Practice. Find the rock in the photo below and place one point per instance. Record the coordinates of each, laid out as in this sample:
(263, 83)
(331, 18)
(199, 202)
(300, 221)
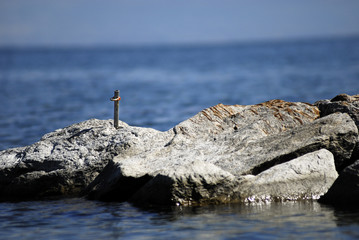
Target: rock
(210, 133)
(345, 104)
(341, 103)
(336, 133)
(345, 190)
(306, 177)
(230, 152)
(64, 162)
(195, 182)
(198, 182)
(204, 157)
(253, 121)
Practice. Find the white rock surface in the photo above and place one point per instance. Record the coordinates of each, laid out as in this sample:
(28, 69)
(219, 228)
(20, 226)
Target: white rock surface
(306, 177)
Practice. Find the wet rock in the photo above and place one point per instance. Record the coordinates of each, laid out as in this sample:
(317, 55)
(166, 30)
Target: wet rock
(306, 177)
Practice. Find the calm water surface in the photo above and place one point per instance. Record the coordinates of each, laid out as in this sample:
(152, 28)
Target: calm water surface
(45, 89)
(82, 219)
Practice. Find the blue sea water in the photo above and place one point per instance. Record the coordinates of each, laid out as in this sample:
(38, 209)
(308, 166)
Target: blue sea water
(43, 89)
(81, 219)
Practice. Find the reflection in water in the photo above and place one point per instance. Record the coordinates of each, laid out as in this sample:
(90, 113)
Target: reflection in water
(347, 220)
(83, 219)
(290, 219)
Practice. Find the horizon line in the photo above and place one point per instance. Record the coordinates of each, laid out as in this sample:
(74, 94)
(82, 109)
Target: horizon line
(182, 44)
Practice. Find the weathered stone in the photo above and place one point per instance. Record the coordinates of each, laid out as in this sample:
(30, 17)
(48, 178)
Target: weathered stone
(345, 104)
(195, 182)
(340, 103)
(65, 161)
(345, 190)
(336, 132)
(235, 154)
(205, 155)
(198, 182)
(253, 121)
(306, 177)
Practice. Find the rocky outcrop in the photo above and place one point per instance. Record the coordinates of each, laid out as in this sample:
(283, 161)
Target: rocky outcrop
(222, 154)
(229, 157)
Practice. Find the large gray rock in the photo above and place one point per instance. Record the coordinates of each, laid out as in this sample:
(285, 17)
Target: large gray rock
(195, 182)
(208, 153)
(306, 177)
(198, 182)
(64, 162)
(227, 154)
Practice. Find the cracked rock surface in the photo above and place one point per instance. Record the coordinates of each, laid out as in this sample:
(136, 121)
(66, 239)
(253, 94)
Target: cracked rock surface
(212, 157)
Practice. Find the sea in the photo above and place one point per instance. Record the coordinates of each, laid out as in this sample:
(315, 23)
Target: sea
(46, 88)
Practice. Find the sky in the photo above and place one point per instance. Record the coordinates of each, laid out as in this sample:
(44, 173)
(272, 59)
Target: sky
(146, 22)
